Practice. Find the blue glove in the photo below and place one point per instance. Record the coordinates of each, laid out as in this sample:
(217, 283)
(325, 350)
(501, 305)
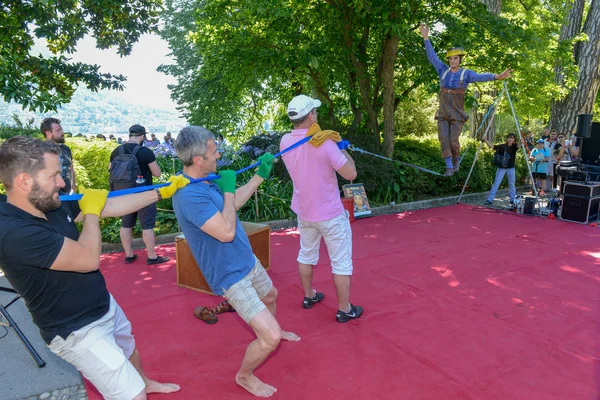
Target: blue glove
(343, 145)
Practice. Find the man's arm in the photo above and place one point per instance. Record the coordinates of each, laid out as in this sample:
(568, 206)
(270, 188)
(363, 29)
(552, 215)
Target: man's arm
(154, 169)
(348, 170)
(130, 203)
(73, 178)
(243, 193)
(222, 225)
(82, 255)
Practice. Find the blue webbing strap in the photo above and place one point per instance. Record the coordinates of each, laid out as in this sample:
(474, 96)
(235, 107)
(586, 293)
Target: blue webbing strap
(122, 192)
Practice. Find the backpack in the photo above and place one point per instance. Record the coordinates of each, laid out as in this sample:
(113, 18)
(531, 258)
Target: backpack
(124, 169)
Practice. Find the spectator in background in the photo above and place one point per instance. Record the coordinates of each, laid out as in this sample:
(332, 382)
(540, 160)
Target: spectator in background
(112, 138)
(570, 150)
(545, 134)
(154, 139)
(170, 139)
(53, 131)
(553, 146)
(539, 159)
(148, 168)
(528, 141)
(508, 149)
(119, 140)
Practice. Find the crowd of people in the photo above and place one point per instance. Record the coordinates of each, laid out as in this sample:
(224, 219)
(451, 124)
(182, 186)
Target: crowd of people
(544, 155)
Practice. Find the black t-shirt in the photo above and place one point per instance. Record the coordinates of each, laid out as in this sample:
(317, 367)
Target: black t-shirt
(511, 150)
(145, 157)
(66, 160)
(60, 302)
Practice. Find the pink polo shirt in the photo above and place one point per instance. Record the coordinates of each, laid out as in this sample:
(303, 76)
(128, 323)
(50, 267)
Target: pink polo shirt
(316, 195)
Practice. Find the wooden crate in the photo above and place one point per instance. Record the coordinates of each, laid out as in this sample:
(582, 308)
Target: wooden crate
(189, 274)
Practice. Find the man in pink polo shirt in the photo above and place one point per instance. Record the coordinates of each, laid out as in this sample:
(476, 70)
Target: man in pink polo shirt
(316, 201)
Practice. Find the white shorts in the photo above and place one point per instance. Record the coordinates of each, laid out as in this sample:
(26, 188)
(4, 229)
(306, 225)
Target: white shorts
(338, 238)
(101, 351)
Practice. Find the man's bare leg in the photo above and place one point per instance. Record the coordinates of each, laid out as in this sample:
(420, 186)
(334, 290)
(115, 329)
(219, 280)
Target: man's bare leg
(268, 335)
(126, 235)
(270, 301)
(151, 386)
(342, 287)
(306, 275)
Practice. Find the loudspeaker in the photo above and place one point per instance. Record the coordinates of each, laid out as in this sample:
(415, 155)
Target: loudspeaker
(584, 125)
(580, 202)
(590, 150)
(528, 205)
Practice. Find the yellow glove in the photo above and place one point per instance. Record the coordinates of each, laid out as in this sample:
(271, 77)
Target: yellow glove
(93, 200)
(319, 137)
(177, 182)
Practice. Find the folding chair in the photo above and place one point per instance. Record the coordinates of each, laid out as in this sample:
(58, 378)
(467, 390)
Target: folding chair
(12, 324)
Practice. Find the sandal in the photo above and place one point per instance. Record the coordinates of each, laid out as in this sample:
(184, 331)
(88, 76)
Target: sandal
(223, 307)
(205, 314)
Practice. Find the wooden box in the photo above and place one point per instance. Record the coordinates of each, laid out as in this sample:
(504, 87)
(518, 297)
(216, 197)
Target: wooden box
(189, 274)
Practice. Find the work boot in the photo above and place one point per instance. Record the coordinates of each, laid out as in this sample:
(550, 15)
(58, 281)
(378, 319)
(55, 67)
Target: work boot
(455, 164)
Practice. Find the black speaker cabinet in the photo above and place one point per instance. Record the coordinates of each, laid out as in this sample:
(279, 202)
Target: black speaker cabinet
(590, 148)
(580, 202)
(584, 125)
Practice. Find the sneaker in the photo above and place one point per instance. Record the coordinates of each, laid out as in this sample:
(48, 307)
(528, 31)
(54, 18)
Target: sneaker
(129, 260)
(157, 260)
(354, 313)
(308, 301)
(449, 172)
(487, 203)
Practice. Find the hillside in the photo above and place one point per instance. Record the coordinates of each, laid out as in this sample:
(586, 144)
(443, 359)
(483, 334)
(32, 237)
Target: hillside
(93, 113)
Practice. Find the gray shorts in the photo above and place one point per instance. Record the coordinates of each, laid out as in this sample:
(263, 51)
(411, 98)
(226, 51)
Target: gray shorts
(247, 294)
(147, 218)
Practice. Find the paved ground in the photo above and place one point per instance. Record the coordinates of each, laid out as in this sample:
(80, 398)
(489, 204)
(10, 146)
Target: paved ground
(20, 378)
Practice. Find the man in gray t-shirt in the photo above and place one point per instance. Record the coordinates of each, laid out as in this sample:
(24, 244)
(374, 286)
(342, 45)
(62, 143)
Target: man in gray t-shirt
(53, 131)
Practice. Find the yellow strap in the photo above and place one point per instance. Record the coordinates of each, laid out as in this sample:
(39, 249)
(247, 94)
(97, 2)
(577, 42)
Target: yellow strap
(319, 137)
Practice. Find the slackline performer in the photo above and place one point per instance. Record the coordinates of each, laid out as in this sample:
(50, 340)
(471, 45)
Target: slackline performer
(451, 115)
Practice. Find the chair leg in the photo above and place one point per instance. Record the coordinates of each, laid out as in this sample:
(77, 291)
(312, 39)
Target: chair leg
(12, 324)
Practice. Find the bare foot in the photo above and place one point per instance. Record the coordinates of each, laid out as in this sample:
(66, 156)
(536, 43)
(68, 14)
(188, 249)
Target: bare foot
(157, 387)
(290, 336)
(255, 386)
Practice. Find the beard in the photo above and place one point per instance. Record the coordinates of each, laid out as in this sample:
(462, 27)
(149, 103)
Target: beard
(60, 140)
(42, 201)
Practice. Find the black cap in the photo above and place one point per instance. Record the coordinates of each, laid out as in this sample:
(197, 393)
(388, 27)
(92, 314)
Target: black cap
(137, 130)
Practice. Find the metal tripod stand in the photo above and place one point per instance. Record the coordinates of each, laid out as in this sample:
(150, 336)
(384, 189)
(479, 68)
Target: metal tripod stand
(518, 126)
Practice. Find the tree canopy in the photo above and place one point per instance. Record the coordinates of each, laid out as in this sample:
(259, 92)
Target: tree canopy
(362, 58)
(39, 82)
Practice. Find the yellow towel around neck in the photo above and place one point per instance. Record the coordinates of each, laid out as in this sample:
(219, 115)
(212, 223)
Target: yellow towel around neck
(319, 137)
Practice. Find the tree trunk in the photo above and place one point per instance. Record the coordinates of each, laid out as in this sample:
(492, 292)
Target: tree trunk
(570, 28)
(390, 51)
(477, 113)
(581, 99)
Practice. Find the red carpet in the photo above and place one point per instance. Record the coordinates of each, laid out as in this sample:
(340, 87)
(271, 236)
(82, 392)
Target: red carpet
(460, 303)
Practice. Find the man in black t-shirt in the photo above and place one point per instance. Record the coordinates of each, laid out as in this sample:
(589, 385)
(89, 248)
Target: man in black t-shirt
(53, 131)
(509, 151)
(54, 268)
(147, 215)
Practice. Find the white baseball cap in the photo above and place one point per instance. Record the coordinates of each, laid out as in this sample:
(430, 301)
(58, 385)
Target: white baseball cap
(300, 106)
